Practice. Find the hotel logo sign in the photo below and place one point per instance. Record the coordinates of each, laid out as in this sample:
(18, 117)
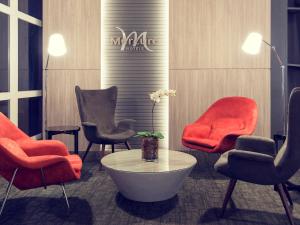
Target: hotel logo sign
(133, 41)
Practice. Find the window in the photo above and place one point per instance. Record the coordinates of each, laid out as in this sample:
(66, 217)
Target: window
(5, 2)
(4, 107)
(30, 57)
(4, 24)
(31, 7)
(21, 72)
(30, 115)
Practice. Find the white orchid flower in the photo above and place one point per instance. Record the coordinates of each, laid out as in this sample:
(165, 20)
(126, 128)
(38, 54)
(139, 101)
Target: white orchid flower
(157, 95)
(160, 93)
(172, 92)
(151, 96)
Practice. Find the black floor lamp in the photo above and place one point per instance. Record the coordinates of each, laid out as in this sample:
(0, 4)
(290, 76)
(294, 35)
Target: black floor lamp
(56, 48)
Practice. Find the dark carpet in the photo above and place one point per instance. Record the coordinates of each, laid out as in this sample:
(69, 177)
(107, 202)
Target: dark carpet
(95, 200)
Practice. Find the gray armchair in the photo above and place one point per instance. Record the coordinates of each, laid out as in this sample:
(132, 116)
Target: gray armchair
(97, 114)
(254, 159)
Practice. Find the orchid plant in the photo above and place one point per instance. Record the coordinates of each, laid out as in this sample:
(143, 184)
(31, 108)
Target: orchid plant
(155, 97)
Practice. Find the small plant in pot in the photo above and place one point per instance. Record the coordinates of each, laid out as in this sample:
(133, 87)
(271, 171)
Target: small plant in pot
(150, 139)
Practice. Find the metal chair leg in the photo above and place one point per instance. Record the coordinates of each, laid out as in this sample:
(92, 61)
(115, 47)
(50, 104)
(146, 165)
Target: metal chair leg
(43, 178)
(285, 204)
(8, 190)
(87, 151)
(230, 189)
(65, 195)
(127, 145)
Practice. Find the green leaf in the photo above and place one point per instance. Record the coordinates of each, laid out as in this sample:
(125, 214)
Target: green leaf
(143, 134)
(158, 134)
(155, 134)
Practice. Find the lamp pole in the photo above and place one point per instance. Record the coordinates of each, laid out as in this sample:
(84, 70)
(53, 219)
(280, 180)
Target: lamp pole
(45, 98)
(283, 86)
(56, 48)
(290, 185)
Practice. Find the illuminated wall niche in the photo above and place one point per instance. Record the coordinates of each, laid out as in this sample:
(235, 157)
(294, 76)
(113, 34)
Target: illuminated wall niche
(138, 65)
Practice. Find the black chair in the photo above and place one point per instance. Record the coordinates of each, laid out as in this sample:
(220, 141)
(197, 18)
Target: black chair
(97, 114)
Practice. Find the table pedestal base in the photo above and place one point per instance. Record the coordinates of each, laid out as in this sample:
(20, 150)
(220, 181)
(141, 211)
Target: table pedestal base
(149, 187)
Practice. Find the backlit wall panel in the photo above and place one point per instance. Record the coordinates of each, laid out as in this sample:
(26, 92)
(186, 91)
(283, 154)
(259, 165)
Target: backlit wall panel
(136, 68)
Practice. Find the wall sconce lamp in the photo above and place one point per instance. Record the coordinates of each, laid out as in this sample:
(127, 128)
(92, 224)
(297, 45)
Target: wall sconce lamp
(252, 46)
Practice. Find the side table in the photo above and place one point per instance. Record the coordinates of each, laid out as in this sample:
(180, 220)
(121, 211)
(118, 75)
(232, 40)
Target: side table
(72, 130)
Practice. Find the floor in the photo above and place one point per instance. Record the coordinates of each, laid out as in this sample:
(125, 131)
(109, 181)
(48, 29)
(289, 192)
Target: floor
(95, 200)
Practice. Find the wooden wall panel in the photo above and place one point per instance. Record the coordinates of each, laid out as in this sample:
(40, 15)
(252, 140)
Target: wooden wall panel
(205, 54)
(61, 105)
(207, 63)
(210, 33)
(80, 24)
(206, 86)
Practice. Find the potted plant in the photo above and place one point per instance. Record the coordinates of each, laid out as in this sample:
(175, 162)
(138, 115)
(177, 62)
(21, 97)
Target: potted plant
(150, 139)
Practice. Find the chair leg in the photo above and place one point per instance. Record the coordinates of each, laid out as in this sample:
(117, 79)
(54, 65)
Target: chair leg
(8, 190)
(65, 195)
(286, 191)
(87, 151)
(103, 149)
(230, 189)
(285, 204)
(127, 145)
(112, 148)
(43, 178)
(102, 155)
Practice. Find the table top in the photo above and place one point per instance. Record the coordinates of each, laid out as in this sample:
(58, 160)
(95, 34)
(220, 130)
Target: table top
(131, 161)
(63, 128)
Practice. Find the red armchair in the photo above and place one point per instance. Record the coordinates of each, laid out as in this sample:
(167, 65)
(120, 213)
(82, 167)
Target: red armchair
(27, 163)
(218, 128)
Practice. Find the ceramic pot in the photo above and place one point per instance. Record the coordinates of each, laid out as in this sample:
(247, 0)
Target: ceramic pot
(149, 149)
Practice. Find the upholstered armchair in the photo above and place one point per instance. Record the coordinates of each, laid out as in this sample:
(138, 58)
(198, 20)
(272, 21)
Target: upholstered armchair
(254, 160)
(28, 164)
(218, 128)
(97, 114)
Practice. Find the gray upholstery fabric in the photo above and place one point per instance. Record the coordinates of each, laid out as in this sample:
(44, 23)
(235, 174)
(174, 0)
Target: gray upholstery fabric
(97, 113)
(248, 166)
(250, 143)
(287, 161)
(253, 161)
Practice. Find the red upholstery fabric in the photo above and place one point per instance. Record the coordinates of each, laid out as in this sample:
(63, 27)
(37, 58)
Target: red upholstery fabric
(43, 147)
(9, 130)
(17, 150)
(218, 128)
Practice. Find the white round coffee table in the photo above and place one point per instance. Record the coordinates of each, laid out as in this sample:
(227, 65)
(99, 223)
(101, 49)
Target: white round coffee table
(148, 181)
